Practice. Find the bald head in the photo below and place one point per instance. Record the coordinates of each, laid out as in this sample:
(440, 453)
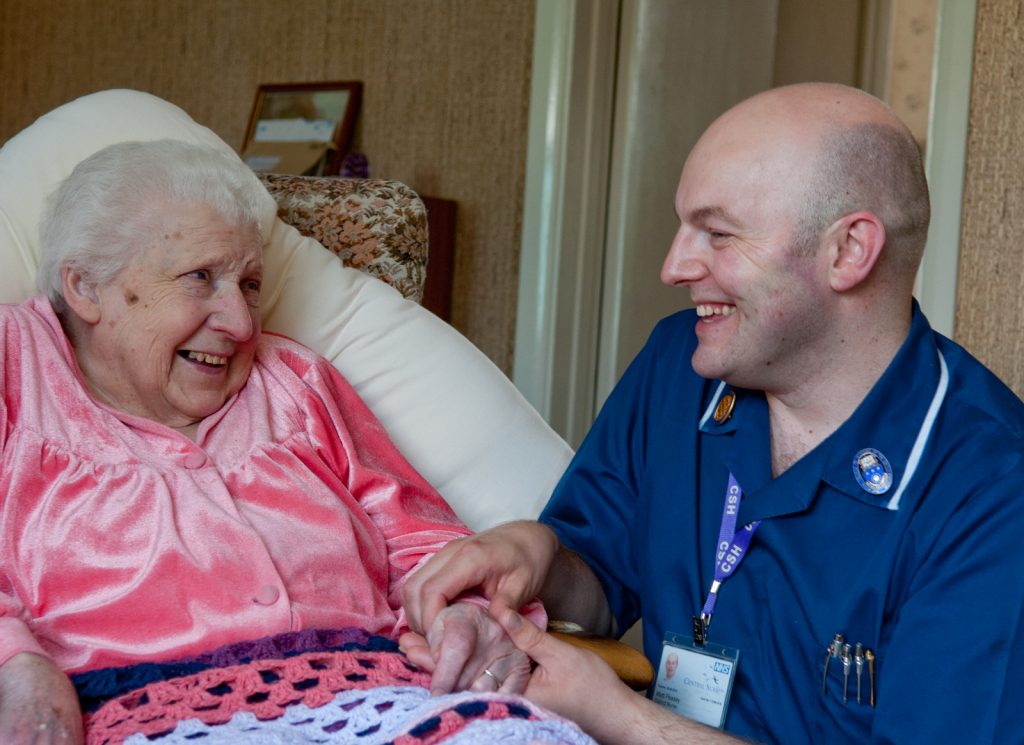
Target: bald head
(849, 153)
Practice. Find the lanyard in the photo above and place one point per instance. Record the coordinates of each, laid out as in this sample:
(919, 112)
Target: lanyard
(732, 547)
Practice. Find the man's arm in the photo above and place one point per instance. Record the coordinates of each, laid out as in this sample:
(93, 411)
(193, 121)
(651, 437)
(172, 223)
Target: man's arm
(572, 592)
(509, 565)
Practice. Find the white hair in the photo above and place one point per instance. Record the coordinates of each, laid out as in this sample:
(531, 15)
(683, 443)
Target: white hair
(108, 208)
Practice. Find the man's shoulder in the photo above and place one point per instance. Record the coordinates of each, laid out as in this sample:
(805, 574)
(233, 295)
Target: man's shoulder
(673, 337)
(678, 326)
(976, 394)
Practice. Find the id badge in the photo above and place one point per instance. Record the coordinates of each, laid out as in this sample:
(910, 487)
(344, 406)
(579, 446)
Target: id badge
(696, 681)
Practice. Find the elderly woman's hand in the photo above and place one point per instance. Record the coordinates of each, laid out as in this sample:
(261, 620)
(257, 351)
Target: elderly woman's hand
(38, 704)
(467, 649)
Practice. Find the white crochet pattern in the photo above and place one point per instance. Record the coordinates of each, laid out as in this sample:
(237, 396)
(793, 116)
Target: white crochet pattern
(374, 717)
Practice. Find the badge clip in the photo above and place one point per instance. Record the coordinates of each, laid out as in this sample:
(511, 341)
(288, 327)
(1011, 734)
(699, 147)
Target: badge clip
(700, 631)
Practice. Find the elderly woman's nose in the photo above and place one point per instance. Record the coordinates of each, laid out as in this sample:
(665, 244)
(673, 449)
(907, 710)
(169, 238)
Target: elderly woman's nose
(232, 313)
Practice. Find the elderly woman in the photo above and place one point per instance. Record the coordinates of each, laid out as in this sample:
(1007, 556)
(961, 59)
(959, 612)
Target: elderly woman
(174, 480)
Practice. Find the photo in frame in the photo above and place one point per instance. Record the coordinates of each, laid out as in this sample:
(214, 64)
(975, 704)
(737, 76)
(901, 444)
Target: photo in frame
(302, 128)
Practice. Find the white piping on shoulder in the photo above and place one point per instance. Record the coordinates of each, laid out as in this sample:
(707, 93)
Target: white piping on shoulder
(714, 403)
(922, 436)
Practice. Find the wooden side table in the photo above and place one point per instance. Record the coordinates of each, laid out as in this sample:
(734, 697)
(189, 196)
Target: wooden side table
(437, 290)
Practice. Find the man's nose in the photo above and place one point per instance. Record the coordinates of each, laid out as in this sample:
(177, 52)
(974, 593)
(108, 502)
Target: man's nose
(684, 263)
(233, 315)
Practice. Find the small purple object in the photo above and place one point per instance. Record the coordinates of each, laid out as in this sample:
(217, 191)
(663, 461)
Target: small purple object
(355, 165)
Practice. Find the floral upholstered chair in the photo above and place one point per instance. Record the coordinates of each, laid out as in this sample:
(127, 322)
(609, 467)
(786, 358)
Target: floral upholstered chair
(376, 226)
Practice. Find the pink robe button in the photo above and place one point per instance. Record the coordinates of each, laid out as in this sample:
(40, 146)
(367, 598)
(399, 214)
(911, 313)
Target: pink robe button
(267, 595)
(195, 459)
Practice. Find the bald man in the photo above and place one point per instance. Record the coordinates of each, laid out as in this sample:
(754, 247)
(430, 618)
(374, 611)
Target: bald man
(811, 498)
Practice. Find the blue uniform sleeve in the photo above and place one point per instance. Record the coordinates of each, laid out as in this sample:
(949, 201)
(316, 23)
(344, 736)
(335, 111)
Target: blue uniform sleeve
(596, 505)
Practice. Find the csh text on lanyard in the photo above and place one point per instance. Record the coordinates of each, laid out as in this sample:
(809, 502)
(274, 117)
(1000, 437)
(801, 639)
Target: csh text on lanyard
(695, 677)
(732, 547)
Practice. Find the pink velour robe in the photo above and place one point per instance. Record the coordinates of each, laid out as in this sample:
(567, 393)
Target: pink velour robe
(121, 540)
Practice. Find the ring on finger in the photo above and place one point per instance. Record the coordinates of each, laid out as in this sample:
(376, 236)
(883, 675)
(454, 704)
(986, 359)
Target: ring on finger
(497, 681)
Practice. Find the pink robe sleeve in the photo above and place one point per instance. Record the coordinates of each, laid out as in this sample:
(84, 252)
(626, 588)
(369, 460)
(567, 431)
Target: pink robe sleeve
(413, 519)
(15, 635)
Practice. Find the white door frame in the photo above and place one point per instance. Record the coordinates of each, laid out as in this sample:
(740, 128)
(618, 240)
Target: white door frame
(570, 131)
(946, 159)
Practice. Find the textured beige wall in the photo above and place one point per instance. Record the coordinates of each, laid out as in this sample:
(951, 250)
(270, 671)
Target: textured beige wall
(817, 41)
(444, 105)
(990, 303)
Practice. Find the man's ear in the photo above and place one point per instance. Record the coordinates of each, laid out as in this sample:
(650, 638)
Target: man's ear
(80, 295)
(858, 239)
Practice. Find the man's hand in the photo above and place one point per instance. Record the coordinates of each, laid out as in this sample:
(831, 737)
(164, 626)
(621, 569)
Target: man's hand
(38, 704)
(569, 680)
(581, 686)
(507, 564)
(463, 642)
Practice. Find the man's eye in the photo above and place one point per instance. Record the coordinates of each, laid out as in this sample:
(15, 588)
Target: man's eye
(201, 274)
(251, 285)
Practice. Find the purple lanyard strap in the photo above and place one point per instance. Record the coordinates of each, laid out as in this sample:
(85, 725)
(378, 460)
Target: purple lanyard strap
(732, 546)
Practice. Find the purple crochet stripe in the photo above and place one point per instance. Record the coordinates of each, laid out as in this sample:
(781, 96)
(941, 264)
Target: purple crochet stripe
(292, 643)
(96, 687)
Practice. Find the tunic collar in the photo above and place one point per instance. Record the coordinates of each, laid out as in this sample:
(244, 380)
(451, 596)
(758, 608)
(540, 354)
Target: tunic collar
(895, 419)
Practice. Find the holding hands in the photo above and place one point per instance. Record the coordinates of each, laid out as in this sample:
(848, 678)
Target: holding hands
(460, 642)
(507, 565)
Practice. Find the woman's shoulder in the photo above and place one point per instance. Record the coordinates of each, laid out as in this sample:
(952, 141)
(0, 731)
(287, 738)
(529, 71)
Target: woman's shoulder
(276, 350)
(293, 364)
(36, 311)
(31, 331)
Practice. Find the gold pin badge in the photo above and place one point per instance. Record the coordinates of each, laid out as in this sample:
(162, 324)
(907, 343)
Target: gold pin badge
(724, 409)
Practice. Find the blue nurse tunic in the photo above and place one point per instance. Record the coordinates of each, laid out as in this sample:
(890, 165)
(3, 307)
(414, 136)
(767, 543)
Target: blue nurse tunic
(928, 574)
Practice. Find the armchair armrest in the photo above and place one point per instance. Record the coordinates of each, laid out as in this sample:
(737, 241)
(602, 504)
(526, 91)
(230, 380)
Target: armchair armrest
(630, 665)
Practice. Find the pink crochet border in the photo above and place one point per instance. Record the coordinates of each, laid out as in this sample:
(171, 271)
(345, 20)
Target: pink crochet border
(214, 695)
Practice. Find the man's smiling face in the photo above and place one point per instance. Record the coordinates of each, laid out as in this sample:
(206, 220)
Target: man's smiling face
(760, 296)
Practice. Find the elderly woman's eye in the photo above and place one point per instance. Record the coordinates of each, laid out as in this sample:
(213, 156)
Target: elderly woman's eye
(200, 274)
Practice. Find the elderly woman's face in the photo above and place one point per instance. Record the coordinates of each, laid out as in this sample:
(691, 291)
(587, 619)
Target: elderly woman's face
(178, 327)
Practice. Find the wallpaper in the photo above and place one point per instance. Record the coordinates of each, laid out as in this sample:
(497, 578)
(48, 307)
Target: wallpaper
(445, 98)
(990, 302)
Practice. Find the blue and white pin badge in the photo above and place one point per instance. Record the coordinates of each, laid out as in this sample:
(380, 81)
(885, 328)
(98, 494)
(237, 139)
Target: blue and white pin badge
(872, 471)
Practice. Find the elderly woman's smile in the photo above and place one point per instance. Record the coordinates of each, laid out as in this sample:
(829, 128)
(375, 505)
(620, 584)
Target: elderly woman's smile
(173, 335)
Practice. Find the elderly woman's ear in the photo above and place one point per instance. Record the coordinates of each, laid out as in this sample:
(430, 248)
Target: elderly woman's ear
(80, 296)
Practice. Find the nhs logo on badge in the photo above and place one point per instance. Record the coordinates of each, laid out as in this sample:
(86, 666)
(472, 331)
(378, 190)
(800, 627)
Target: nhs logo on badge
(721, 667)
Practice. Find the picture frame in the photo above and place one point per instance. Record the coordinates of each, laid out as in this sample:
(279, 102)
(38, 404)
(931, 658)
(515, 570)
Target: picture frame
(302, 128)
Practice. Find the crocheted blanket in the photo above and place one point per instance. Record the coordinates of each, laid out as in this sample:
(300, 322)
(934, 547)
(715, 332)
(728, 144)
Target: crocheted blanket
(313, 686)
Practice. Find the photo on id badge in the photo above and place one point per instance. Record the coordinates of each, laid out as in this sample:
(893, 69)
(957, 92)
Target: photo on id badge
(695, 682)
